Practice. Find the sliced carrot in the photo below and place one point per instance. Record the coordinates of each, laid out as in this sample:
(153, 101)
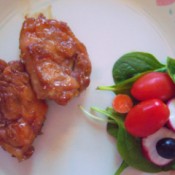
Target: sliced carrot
(122, 103)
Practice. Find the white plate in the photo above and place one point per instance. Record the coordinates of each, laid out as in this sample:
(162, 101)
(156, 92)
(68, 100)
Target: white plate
(71, 144)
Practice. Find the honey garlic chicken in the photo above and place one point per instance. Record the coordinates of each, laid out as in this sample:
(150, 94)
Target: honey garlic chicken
(21, 113)
(55, 59)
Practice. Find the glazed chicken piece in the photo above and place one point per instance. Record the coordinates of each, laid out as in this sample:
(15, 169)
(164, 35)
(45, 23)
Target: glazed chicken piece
(21, 113)
(55, 59)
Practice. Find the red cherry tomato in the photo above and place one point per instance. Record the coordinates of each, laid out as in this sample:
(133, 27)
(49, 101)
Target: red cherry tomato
(146, 117)
(153, 85)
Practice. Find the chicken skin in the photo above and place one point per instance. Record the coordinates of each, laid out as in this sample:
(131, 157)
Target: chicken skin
(21, 113)
(55, 59)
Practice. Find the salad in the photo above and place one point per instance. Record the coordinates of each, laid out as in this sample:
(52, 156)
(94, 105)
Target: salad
(142, 115)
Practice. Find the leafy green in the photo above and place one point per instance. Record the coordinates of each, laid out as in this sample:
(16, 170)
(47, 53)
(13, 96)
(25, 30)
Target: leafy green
(92, 116)
(128, 68)
(122, 87)
(134, 63)
(113, 117)
(171, 68)
(112, 129)
(130, 150)
(121, 168)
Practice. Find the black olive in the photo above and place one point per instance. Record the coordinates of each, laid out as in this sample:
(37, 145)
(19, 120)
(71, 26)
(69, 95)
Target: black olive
(166, 148)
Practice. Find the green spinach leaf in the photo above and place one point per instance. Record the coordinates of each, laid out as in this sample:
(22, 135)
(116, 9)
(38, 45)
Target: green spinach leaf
(112, 129)
(121, 168)
(124, 86)
(134, 63)
(171, 68)
(130, 150)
